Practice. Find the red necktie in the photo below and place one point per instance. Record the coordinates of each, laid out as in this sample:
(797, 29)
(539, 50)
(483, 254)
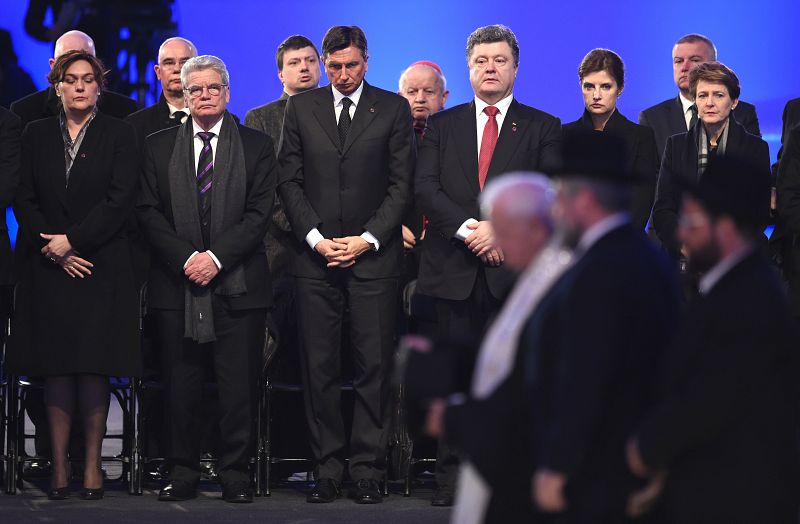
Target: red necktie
(487, 144)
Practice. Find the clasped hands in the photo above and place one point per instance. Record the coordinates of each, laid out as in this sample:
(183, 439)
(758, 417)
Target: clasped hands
(201, 269)
(342, 252)
(482, 244)
(60, 251)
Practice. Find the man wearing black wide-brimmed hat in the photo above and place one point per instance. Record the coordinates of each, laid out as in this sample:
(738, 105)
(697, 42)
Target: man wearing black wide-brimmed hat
(725, 427)
(592, 357)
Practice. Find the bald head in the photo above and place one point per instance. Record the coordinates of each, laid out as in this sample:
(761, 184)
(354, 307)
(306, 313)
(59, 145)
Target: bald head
(72, 41)
(425, 88)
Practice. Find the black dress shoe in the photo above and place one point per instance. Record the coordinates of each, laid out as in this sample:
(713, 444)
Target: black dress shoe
(177, 490)
(324, 490)
(442, 497)
(92, 494)
(237, 492)
(58, 493)
(367, 491)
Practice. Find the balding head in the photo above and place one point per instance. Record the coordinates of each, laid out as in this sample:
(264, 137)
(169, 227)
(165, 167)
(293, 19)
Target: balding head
(425, 88)
(519, 207)
(72, 41)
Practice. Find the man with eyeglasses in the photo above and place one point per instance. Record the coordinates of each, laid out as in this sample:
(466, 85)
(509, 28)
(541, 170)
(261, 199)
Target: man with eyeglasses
(464, 147)
(206, 197)
(171, 108)
(346, 161)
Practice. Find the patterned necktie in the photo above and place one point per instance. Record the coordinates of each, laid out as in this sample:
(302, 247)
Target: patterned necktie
(693, 121)
(344, 120)
(488, 142)
(205, 173)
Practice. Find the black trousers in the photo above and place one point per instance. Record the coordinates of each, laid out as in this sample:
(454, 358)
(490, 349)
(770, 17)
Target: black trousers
(462, 323)
(321, 306)
(236, 356)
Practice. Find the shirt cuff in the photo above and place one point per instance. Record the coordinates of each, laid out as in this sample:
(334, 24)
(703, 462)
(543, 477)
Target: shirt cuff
(215, 259)
(463, 232)
(370, 238)
(189, 259)
(313, 238)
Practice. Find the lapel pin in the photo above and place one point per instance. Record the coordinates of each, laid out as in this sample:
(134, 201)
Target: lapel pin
(371, 109)
(83, 155)
(514, 129)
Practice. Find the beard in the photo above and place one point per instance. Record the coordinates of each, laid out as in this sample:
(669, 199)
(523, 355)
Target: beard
(703, 258)
(569, 234)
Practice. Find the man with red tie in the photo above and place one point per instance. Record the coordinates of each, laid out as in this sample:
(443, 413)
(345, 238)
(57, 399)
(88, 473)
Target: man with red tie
(463, 148)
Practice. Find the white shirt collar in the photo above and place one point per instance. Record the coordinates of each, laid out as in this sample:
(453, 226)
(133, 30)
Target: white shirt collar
(502, 105)
(172, 109)
(355, 96)
(215, 129)
(715, 274)
(685, 103)
(601, 229)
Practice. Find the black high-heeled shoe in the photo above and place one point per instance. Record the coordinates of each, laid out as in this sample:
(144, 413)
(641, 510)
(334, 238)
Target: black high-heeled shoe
(58, 493)
(92, 493)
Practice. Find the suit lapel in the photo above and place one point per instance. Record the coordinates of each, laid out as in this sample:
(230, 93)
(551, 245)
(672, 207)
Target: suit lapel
(507, 142)
(677, 120)
(365, 114)
(466, 138)
(60, 171)
(85, 156)
(326, 116)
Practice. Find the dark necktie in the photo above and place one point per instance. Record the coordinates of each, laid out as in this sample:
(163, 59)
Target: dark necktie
(179, 116)
(488, 142)
(693, 121)
(344, 120)
(205, 175)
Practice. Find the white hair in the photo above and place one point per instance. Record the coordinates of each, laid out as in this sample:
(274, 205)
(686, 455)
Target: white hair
(524, 195)
(440, 77)
(202, 62)
(189, 44)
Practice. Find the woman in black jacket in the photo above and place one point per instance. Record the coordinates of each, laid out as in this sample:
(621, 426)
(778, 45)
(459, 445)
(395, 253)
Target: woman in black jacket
(602, 78)
(715, 88)
(76, 320)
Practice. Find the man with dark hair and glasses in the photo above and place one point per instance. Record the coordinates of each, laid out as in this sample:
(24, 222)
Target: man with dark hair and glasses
(346, 160)
(205, 201)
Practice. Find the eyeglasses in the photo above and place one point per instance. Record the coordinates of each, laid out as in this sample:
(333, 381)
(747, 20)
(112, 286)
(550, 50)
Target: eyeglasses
(213, 90)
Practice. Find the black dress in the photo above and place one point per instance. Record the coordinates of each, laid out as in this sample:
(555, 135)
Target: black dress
(642, 159)
(64, 325)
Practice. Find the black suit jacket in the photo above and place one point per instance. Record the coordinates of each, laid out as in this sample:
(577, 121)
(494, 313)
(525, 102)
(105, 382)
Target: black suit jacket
(791, 117)
(446, 189)
(10, 131)
(44, 103)
(269, 119)
(788, 229)
(642, 160)
(147, 121)
(680, 162)
(241, 244)
(590, 363)
(666, 119)
(725, 428)
(344, 191)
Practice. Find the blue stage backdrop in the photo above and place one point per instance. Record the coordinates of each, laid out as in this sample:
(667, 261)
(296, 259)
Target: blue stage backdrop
(756, 39)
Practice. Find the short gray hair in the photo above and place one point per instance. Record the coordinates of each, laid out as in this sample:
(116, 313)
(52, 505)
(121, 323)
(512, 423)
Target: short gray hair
(525, 195)
(439, 76)
(494, 33)
(202, 62)
(189, 44)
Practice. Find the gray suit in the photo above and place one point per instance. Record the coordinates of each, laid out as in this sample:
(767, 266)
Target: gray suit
(269, 119)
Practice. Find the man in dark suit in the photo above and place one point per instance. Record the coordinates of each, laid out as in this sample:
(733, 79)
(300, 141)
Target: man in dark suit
(44, 103)
(788, 197)
(677, 115)
(591, 361)
(171, 109)
(464, 147)
(298, 70)
(724, 431)
(206, 197)
(10, 131)
(346, 159)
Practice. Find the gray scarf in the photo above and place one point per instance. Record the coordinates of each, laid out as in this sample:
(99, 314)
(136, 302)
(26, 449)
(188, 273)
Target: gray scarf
(702, 146)
(227, 206)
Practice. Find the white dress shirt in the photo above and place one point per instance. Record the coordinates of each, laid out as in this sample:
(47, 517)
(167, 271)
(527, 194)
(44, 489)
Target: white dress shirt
(173, 109)
(198, 147)
(715, 274)
(482, 118)
(599, 230)
(314, 236)
(687, 109)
